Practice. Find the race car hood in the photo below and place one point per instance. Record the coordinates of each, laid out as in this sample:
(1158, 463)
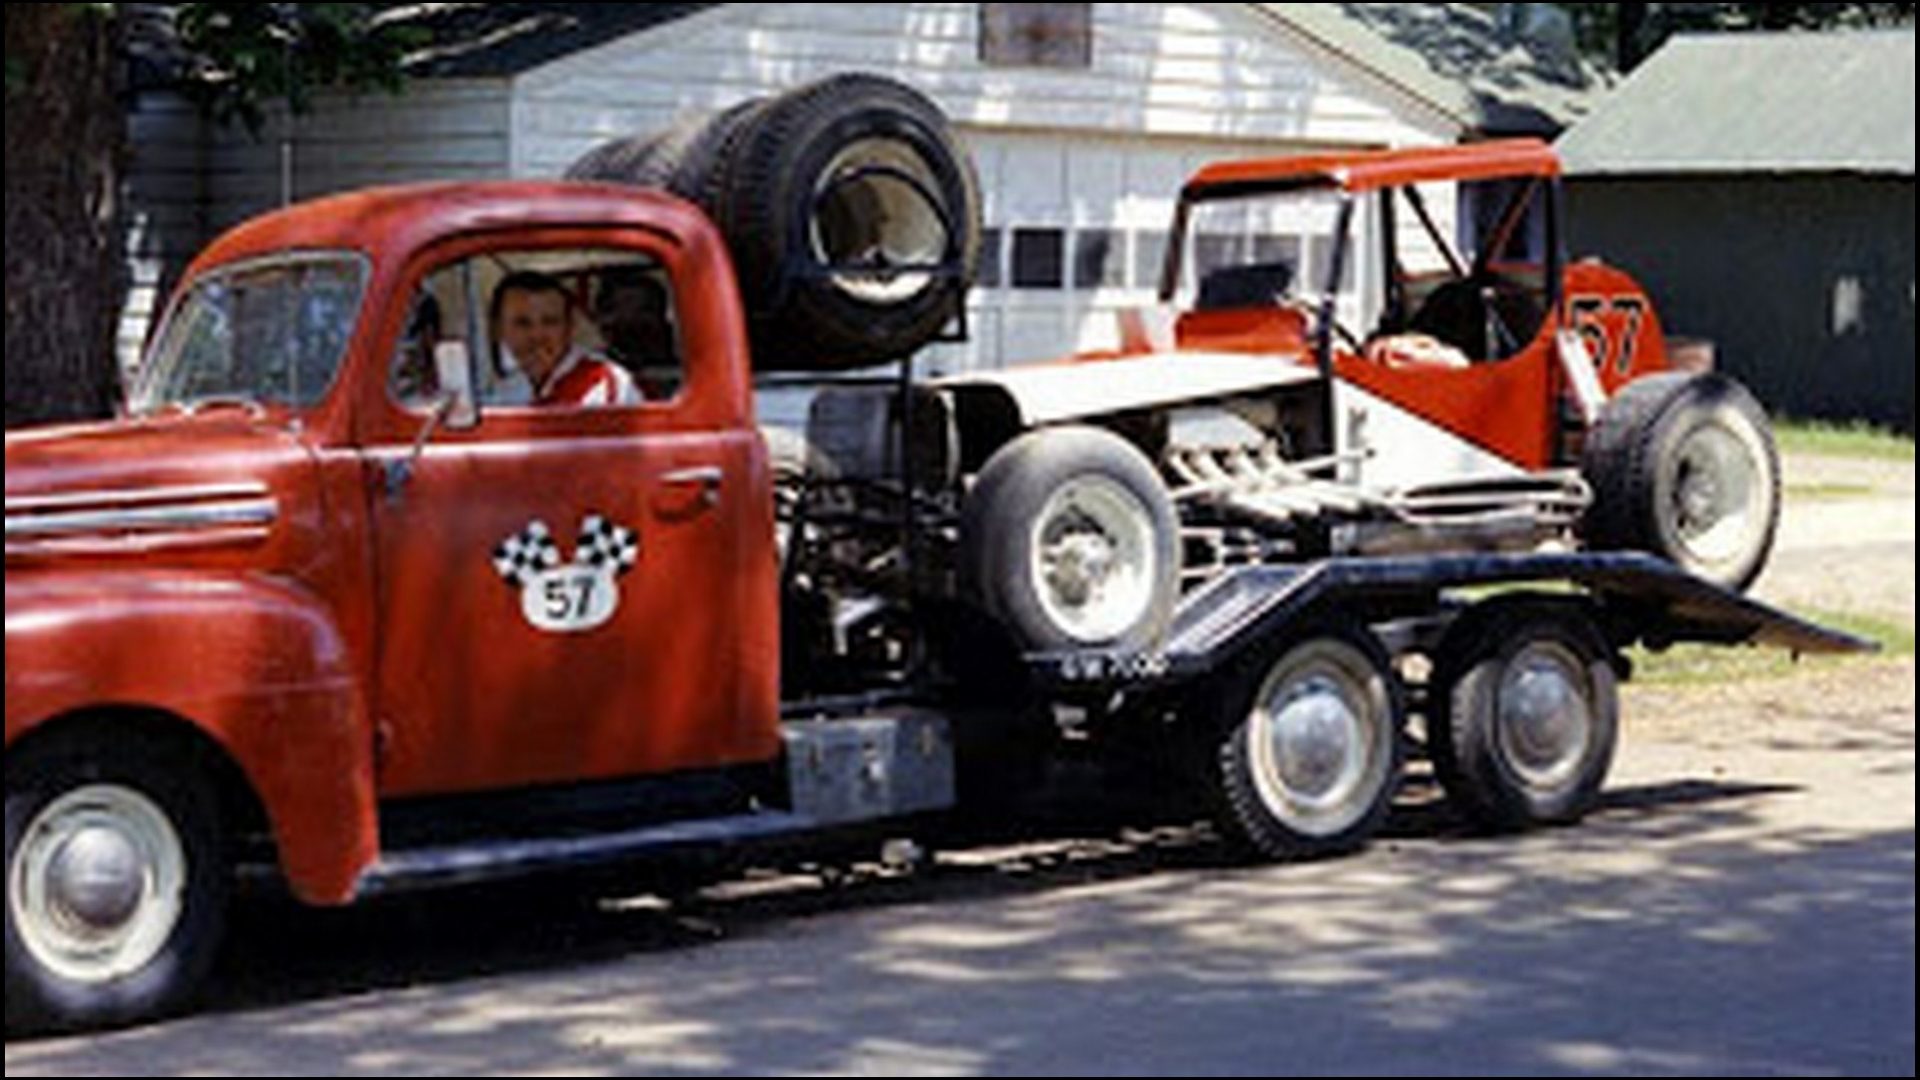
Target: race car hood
(1058, 393)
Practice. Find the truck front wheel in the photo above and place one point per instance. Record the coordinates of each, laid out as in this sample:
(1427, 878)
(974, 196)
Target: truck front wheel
(1310, 752)
(117, 884)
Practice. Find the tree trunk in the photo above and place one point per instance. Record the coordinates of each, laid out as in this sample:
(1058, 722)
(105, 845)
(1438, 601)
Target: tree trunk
(66, 265)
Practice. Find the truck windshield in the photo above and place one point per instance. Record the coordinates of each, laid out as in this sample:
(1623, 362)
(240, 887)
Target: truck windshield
(261, 333)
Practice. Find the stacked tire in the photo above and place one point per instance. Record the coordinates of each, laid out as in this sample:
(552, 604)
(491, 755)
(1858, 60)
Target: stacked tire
(850, 208)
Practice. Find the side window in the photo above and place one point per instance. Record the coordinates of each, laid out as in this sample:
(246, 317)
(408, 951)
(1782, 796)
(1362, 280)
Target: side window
(549, 329)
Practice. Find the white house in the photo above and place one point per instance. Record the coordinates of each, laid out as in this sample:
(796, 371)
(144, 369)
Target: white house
(1084, 119)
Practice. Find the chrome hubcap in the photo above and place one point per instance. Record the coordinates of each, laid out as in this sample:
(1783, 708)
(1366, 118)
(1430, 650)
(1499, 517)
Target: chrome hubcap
(1318, 739)
(97, 885)
(1316, 742)
(1546, 719)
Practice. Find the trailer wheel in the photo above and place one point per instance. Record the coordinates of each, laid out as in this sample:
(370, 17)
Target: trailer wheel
(1309, 758)
(117, 884)
(1684, 466)
(1070, 539)
(1526, 715)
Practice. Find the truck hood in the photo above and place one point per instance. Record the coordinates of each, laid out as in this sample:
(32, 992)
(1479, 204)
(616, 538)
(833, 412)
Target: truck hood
(138, 487)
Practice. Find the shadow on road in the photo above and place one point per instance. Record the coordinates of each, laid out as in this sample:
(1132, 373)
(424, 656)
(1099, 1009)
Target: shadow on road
(1668, 936)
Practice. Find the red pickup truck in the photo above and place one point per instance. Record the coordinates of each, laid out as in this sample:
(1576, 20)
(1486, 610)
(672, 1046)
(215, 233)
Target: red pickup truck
(338, 601)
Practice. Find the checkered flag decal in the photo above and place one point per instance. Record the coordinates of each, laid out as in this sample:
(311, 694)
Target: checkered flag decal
(527, 553)
(606, 546)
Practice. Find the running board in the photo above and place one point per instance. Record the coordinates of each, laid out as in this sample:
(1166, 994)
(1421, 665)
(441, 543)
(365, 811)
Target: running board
(842, 773)
(469, 864)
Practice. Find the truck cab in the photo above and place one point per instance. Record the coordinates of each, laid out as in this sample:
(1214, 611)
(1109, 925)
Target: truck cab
(303, 566)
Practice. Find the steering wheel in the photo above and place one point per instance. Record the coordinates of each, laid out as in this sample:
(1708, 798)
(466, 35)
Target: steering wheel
(1312, 312)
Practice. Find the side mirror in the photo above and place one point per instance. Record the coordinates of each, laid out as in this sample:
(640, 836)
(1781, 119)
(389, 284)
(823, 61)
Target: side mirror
(453, 365)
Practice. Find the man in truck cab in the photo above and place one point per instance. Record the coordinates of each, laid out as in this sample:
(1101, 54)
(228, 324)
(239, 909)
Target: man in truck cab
(533, 320)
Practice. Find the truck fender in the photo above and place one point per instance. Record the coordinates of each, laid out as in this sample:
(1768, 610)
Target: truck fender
(255, 664)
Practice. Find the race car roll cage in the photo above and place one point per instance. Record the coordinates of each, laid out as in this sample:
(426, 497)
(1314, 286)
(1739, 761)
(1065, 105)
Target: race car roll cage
(1356, 175)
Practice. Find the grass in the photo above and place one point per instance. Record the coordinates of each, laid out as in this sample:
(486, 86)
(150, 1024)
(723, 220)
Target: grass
(1699, 665)
(1855, 440)
(1828, 492)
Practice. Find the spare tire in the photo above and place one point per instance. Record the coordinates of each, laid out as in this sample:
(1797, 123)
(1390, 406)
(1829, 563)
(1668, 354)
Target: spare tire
(1684, 466)
(687, 159)
(852, 212)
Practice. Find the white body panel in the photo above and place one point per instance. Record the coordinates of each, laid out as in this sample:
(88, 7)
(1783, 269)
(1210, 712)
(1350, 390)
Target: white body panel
(1398, 449)
(1055, 393)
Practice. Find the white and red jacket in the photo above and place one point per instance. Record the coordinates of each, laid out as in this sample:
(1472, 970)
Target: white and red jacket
(583, 380)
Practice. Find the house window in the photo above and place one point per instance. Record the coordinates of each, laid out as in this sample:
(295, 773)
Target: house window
(1036, 35)
(1039, 258)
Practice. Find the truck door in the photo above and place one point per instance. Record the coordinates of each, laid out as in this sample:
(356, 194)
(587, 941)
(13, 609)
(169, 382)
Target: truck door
(571, 589)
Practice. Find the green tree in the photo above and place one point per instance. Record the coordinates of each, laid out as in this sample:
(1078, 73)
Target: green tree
(66, 135)
(1626, 34)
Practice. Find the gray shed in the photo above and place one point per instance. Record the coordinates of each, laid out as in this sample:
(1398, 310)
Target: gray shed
(1761, 186)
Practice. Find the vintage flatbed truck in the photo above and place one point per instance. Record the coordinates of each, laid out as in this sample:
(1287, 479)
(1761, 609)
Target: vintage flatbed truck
(336, 603)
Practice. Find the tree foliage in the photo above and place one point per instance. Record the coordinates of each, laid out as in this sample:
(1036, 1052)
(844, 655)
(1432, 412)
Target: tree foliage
(1628, 33)
(243, 55)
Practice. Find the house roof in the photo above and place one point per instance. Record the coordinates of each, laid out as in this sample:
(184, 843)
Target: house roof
(1758, 103)
(1463, 60)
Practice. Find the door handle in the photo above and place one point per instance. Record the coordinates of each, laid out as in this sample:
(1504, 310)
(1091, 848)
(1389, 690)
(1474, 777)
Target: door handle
(709, 479)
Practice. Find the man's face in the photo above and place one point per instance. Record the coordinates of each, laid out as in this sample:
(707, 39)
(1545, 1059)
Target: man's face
(537, 328)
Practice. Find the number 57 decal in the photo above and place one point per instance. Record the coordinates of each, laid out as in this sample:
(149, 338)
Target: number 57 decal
(568, 597)
(1610, 329)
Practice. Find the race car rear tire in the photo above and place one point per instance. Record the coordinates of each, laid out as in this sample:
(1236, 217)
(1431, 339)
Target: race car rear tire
(1684, 466)
(688, 159)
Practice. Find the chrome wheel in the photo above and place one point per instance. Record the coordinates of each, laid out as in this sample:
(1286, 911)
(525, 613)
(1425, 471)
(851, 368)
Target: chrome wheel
(1545, 717)
(872, 214)
(1320, 739)
(98, 884)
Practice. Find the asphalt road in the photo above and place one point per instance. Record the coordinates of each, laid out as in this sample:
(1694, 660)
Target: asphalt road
(1742, 905)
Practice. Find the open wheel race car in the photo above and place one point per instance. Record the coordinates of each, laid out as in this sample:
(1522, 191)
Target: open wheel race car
(1498, 396)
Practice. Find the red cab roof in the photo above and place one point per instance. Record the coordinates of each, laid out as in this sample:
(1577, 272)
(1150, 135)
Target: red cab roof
(377, 221)
(1372, 170)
